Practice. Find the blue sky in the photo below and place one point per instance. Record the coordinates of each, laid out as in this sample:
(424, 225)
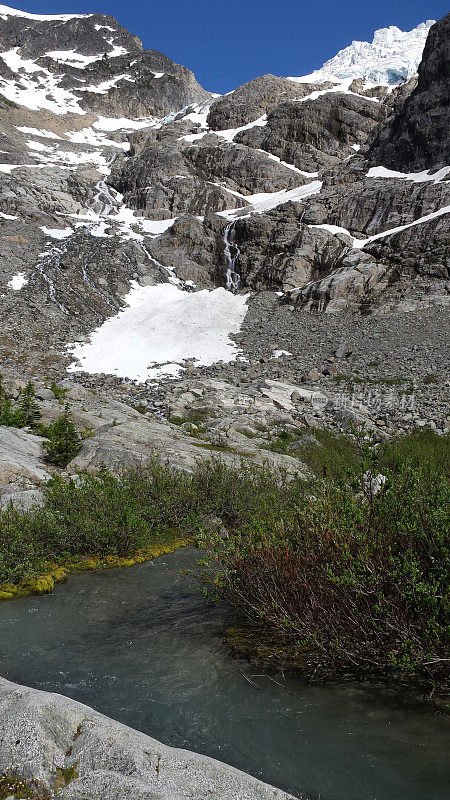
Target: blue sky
(229, 42)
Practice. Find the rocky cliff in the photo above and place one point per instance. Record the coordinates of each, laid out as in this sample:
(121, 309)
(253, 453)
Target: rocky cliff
(122, 180)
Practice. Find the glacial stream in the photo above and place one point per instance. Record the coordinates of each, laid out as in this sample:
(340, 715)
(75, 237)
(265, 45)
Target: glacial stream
(141, 646)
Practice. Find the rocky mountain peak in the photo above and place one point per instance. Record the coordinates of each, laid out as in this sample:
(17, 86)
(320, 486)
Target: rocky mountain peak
(132, 197)
(78, 63)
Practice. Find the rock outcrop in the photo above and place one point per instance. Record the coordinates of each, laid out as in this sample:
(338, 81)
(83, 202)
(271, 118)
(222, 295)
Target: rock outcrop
(317, 133)
(417, 136)
(59, 747)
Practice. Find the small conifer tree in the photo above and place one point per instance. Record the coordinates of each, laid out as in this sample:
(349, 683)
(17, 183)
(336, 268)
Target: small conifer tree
(28, 412)
(64, 441)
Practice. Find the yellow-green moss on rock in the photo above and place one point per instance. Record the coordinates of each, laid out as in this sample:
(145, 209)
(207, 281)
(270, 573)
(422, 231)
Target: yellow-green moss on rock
(45, 583)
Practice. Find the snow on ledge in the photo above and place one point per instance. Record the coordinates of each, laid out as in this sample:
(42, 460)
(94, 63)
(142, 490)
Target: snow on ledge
(416, 177)
(6, 11)
(159, 329)
(359, 244)
(266, 201)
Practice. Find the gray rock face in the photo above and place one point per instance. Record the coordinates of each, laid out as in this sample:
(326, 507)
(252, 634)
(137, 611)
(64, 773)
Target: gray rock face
(316, 133)
(253, 99)
(244, 169)
(194, 248)
(150, 83)
(22, 468)
(43, 734)
(165, 177)
(278, 251)
(417, 136)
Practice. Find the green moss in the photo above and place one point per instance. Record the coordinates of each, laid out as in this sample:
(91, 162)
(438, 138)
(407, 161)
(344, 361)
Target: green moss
(64, 776)
(45, 583)
(12, 785)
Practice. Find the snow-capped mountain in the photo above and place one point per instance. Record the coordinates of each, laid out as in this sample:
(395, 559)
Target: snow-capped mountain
(120, 173)
(390, 59)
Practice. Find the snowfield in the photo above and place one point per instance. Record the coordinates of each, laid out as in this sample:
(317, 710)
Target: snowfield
(159, 329)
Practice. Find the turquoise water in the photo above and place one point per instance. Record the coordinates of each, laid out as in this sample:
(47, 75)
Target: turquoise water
(141, 645)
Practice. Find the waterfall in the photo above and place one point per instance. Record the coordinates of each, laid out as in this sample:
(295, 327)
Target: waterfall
(48, 261)
(232, 254)
(103, 201)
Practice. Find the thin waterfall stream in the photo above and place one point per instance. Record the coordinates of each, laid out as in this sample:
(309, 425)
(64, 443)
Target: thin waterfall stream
(232, 254)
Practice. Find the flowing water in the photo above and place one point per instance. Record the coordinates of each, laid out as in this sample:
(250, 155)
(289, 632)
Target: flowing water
(232, 254)
(141, 645)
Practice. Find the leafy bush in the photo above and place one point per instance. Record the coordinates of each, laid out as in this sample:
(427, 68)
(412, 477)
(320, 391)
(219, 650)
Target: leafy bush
(362, 582)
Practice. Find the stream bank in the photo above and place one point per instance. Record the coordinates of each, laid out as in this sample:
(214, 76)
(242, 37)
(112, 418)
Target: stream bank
(141, 646)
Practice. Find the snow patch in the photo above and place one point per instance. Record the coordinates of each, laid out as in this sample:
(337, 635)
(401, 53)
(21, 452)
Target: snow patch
(266, 201)
(95, 139)
(160, 328)
(6, 11)
(72, 58)
(57, 233)
(228, 134)
(123, 124)
(44, 134)
(35, 87)
(416, 177)
(17, 282)
(105, 86)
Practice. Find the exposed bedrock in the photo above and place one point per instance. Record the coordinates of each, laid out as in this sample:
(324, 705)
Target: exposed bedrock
(54, 744)
(372, 205)
(316, 134)
(417, 135)
(164, 178)
(255, 98)
(277, 251)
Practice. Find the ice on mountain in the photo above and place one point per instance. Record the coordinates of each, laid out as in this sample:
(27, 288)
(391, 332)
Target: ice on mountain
(391, 58)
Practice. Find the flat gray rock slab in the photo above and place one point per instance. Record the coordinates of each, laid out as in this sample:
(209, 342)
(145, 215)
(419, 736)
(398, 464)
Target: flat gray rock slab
(42, 732)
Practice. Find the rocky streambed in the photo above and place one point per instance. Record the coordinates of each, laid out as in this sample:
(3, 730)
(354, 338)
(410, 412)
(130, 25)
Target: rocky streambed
(141, 646)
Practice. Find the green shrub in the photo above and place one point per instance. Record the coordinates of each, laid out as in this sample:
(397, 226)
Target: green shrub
(362, 583)
(63, 441)
(28, 411)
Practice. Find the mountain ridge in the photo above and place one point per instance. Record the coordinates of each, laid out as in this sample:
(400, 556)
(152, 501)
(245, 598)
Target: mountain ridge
(151, 183)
